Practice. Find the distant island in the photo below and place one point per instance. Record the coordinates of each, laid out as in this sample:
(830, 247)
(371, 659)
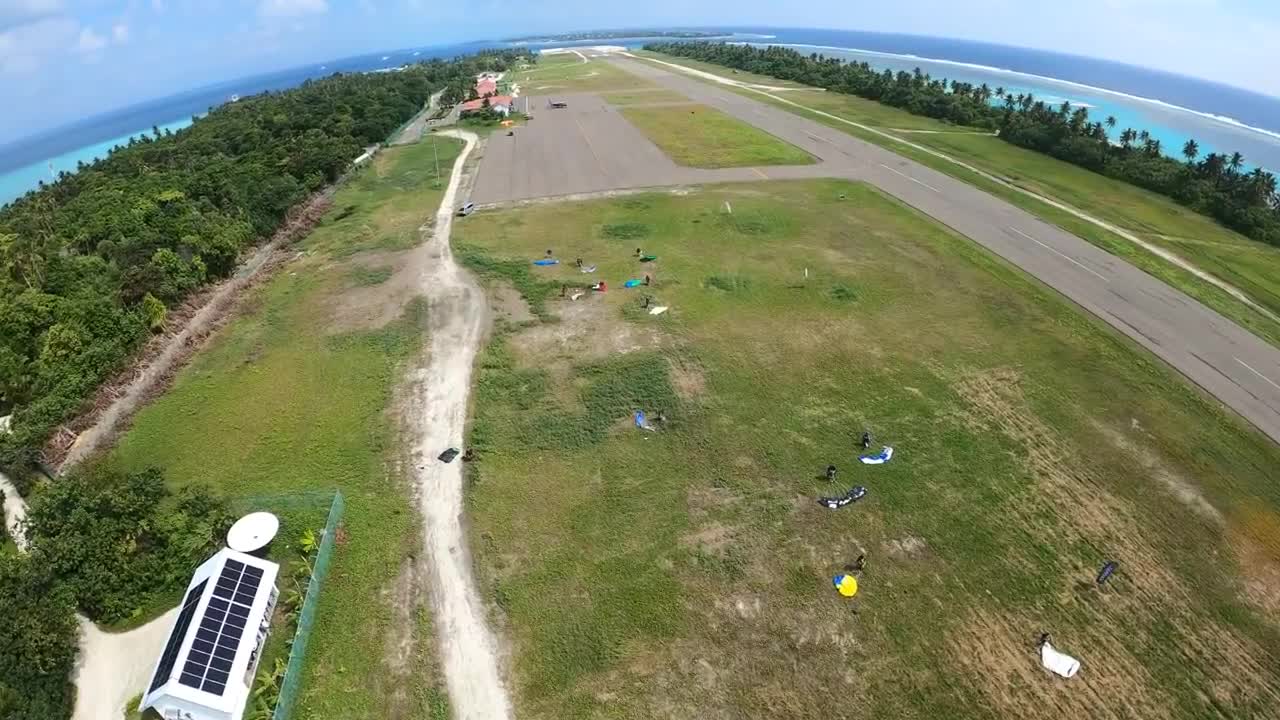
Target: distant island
(615, 34)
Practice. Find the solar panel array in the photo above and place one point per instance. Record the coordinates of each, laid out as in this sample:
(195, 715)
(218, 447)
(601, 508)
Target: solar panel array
(170, 654)
(208, 665)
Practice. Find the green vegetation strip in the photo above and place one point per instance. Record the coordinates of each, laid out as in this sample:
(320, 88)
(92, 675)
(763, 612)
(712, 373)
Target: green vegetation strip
(699, 136)
(690, 568)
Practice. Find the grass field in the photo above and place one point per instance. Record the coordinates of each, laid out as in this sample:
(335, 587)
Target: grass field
(567, 73)
(700, 136)
(687, 572)
(293, 397)
(644, 97)
(1250, 266)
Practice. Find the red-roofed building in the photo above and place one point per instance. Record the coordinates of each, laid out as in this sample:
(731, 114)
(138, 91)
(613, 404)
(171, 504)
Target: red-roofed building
(500, 104)
(486, 86)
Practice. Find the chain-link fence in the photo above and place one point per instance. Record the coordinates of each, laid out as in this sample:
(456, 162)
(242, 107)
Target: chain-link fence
(293, 672)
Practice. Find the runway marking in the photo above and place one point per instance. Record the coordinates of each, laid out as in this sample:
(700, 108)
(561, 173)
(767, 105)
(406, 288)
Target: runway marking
(814, 137)
(1255, 372)
(895, 172)
(759, 172)
(1068, 258)
(590, 147)
(727, 207)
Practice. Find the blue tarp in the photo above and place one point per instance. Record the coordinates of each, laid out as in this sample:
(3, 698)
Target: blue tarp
(632, 283)
(546, 262)
(639, 418)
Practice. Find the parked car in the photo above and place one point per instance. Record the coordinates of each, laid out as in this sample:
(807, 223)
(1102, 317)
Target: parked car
(467, 209)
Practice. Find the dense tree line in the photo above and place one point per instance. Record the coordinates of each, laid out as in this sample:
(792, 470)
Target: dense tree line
(1215, 185)
(107, 543)
(90, 263)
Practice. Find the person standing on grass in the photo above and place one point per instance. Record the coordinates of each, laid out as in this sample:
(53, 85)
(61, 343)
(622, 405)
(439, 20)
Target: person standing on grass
(831, 473)
(866, 439)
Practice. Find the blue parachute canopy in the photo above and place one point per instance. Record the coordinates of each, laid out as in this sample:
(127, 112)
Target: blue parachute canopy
(879, 458)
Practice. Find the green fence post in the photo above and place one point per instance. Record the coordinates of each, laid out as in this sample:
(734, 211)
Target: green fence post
(293, 672)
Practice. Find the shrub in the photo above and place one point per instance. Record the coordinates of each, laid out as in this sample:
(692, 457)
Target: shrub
(120, 541)
(625, 231)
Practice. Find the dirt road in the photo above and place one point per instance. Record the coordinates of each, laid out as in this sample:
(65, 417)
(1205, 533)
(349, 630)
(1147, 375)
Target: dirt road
(438, 413)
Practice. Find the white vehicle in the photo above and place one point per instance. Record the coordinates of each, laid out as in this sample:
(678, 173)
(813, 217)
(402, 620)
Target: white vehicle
(467, 209)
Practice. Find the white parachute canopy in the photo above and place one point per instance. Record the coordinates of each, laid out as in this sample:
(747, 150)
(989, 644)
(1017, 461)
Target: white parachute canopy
(1058, 663)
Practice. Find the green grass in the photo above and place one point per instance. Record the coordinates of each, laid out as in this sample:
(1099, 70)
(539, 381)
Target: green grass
(1250, 266)
(644, 97)
(700, 136)
(687, 572)
(566, 73)
(365, 276)
(281, 404)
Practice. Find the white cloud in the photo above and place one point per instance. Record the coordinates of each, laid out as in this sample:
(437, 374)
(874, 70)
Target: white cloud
(292, 8)
(90, 41)
(15, 13)
(24, 48)
(120, 33)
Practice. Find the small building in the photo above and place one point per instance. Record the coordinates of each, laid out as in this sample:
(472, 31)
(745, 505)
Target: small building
(206, 669)
(486, 86)
(501, 104)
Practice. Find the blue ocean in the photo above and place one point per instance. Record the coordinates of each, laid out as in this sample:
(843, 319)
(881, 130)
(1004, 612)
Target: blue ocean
(1172, 107)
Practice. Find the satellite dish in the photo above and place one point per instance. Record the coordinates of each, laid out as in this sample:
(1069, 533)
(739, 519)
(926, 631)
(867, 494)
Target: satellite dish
(253, 532)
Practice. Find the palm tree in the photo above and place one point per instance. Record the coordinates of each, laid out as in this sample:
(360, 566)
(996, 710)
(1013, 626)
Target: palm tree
(1190, 150)
(1111, 122)
(1235, 163)
(1153, 147)
(1144, 136)
(1212, 166)
(1127, 137)
(1000, 91)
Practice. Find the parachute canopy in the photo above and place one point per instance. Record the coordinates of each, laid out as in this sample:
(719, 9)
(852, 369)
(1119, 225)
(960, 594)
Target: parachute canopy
(879, 458)
(846, 585)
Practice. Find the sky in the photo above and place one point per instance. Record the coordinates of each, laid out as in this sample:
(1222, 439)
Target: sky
(62, 60)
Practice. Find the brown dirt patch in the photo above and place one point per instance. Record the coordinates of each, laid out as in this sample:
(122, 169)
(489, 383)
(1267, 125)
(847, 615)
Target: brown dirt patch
(904, 548)
(712, 539)
(688, 379)
(589, 329)
(375, 306)
(1068, 508)
(507, 303)
(1256, 542)
(999, 656)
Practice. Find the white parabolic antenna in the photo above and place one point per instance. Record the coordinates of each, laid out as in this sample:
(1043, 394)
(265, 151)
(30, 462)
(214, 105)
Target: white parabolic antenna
(252, 532)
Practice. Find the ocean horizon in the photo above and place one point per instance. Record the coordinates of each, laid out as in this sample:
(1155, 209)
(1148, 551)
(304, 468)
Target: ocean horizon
(1173, 108)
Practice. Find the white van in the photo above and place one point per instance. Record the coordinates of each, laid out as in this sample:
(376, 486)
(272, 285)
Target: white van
(467, 209)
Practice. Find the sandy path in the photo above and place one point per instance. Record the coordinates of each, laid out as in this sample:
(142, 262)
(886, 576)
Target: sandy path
(115, 667)
(438, 413)
(15, 511)
(1156, 250)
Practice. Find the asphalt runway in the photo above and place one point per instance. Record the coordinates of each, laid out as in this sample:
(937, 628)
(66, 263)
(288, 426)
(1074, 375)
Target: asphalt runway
(589, 147)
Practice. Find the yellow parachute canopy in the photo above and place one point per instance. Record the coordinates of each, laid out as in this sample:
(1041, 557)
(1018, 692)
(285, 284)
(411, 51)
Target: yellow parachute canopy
(846, 584)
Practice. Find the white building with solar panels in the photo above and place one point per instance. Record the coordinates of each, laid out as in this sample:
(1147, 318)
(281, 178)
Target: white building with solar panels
(211, 655)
